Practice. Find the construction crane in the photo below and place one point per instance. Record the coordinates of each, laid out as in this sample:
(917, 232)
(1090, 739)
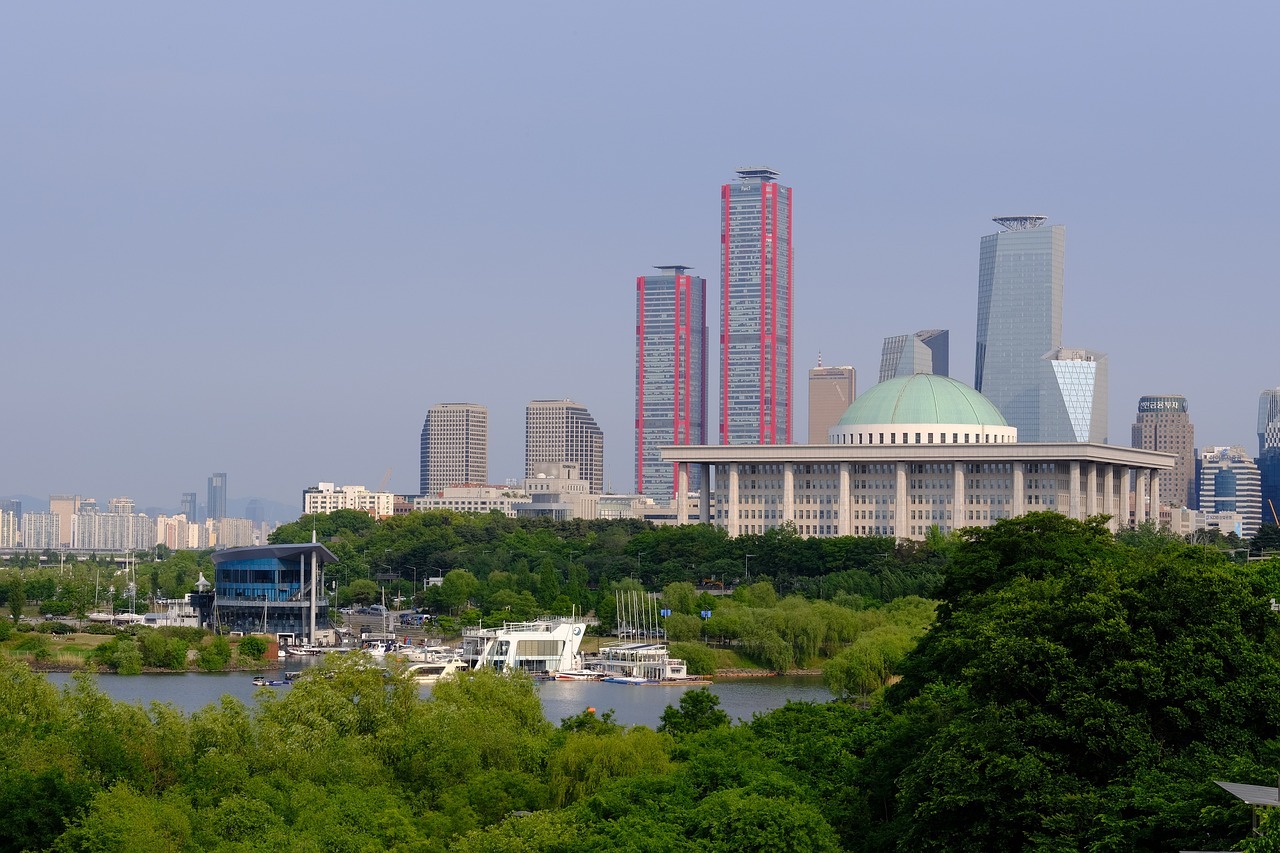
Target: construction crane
(386, 478)
(1273, 512)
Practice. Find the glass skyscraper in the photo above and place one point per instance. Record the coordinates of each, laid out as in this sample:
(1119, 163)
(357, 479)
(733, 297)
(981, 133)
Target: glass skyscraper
(755, 316)
(1269, 453)
(924, 352)
(671, 374)
(217, 507)
(1048, 393)
(1077, 411)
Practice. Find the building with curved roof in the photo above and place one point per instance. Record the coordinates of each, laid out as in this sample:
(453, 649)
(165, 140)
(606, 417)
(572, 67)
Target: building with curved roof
(912, 453)
(274, 589)
(944, 409)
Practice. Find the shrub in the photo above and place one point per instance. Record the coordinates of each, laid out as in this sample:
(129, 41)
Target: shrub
(55, 628)
(36, 645)
(253, 647)
(215, 656)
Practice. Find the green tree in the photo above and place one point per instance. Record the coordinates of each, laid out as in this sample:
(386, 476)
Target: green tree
(363, 592)
(17, 594)
(681, 597)
(457, 588)
(699, 710)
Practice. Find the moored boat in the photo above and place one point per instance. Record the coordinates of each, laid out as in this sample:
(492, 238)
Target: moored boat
(577, 675)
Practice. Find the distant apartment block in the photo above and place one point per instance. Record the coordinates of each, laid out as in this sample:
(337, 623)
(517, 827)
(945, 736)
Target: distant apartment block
(454, 447)
(558, 431)
(327, 497)
(113, 531)
(43, 530)
(1164, 424)
(927, 351)
(831, 390)
(480, 499)
(10, 533)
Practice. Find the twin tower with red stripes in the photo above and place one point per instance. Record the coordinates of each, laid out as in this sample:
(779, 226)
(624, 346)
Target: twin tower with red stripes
(754, 331)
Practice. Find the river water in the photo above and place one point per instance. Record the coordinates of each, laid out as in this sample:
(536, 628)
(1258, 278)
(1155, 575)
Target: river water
(740, 698)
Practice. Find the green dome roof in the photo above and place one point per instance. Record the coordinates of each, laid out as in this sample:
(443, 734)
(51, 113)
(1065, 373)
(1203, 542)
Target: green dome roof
(922, 399)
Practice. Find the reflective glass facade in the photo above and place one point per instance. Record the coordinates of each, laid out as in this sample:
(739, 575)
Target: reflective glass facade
(924, 352)
(1020, 279)
(671, 374)
(1078, 409)
(1269, 453)
(756, 305)
(1230, 482)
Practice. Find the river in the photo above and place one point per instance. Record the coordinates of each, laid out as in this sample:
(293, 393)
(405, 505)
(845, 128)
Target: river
(740, 698)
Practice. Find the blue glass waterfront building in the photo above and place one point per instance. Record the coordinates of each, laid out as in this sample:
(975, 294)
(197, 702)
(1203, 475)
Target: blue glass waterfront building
(671, 373)
(272, 589)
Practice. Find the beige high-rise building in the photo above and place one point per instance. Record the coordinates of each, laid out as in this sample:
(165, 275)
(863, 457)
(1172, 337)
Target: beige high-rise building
(65, 507)
(564, 431)
(455, 447)
(1163, 424)
(831, 390)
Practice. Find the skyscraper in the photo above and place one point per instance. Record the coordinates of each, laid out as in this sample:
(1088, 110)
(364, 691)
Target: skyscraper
(189, 507)
(671, 373)
(1269, 453)
(927, 351)
(217, 508)
(454, 447)
(1020, 278)
(755, 311)
(65, 507)
(831, 390)
(1163, 424)
(1076, 407)
(564, 431)
(1229, 482)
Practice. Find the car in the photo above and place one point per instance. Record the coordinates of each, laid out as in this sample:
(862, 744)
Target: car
(377, 608)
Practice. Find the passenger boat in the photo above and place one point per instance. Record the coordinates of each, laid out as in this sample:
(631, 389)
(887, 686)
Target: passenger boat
(434, 671)
(577, 675)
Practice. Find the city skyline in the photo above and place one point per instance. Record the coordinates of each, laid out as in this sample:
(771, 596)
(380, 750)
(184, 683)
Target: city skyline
(163, 193)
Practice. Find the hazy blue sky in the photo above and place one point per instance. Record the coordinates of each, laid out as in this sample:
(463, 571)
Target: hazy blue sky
(262, 238)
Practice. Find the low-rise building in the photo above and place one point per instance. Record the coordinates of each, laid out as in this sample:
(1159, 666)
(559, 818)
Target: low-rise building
(481, 499)
(327, 497)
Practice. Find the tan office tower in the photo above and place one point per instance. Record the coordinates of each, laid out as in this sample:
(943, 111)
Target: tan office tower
(564, 431)
(65, 507)
(831, 390)
(454, 448)
(1163, 424)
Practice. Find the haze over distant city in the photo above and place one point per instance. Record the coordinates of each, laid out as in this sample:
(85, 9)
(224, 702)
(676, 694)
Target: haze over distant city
(263, 240)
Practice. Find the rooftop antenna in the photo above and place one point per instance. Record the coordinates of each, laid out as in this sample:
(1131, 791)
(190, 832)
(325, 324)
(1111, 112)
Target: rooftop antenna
(819, 358)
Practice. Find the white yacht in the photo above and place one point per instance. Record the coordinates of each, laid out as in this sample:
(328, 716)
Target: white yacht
(541, 646)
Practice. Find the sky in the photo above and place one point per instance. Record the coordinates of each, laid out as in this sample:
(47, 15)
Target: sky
(262, 238)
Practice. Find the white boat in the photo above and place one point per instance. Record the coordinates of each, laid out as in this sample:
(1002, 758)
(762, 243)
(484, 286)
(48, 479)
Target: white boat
(434, 671)
(541, 646)
(578, 675)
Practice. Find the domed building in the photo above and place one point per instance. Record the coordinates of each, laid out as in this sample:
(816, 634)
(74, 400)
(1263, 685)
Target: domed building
(912, 453)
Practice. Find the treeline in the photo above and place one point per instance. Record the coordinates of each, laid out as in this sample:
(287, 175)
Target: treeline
(1075, 693)
(578, 560)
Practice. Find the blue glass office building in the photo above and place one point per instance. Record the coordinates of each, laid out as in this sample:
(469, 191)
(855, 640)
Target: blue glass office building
(1269, 453)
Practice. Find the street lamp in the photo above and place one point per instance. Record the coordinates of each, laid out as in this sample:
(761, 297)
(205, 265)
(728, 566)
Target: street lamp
(746, 567)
